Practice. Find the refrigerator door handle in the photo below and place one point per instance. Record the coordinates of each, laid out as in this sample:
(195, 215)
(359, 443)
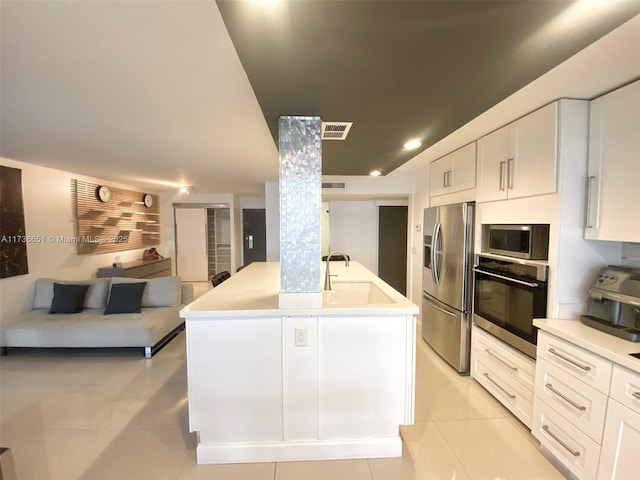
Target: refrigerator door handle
(436, 252)
(434, 305)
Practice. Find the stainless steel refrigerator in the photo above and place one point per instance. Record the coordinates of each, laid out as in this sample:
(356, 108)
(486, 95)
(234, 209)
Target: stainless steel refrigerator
(446, 282)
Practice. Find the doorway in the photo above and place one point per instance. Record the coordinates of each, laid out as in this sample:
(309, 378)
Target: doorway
(254, 231)
(203, 241)
(392, 246)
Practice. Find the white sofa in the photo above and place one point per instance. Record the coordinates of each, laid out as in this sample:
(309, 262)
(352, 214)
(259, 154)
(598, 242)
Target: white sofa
(156, 324)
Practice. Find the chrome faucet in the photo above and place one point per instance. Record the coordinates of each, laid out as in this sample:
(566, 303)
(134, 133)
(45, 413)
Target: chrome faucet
(327, 274)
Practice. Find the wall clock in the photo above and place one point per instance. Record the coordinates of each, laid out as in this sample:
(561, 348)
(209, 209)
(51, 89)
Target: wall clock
(148, 200)
(104, 193)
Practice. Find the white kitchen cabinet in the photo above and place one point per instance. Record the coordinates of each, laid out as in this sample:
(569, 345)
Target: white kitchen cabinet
(571, 393)
(619, 457)
(505, 372)
(454, 172)
(582, 405)
(613, 196)
(520, 159)
(574, 449)
(586, 409)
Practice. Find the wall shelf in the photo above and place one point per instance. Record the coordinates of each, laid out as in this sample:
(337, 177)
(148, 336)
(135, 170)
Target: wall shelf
(121, 222)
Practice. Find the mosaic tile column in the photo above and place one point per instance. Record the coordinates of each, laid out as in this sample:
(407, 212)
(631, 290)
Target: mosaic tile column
(300, 148)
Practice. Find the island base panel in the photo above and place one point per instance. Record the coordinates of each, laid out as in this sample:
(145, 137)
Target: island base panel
(299, 451)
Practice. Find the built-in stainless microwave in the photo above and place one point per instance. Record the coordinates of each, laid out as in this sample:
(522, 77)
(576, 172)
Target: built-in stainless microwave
(530, 242)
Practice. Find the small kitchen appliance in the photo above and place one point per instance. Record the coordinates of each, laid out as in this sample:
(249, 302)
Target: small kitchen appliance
(614, 302)
(530, 242)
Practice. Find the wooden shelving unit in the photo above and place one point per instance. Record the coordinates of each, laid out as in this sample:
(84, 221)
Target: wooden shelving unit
(122, 223)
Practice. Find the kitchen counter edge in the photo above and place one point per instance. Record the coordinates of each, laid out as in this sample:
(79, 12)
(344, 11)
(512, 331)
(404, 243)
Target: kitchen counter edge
(615, 349)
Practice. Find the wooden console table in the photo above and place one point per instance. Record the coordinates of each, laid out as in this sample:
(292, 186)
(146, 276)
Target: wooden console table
(139, 269)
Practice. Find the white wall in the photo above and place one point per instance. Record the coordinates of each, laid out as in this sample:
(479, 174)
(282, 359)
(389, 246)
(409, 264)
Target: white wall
(272, 213)
(353, 229)
(48, 212)
(420, 201)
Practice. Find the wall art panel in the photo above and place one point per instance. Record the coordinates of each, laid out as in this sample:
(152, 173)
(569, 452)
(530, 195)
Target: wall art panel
(110, 219)
(13, 236)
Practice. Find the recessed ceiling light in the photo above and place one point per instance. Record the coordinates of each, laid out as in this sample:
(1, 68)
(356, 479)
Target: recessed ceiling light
(412, 144)
(375, 173)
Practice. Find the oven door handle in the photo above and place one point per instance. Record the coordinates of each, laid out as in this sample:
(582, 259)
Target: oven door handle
(508, 279)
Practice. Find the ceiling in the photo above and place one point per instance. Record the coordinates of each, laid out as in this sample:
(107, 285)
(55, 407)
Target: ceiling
(163, 94)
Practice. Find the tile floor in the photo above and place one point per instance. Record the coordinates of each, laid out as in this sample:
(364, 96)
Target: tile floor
(112, 415)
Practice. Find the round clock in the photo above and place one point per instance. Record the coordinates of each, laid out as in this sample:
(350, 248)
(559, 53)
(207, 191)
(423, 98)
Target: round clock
(104, 193)
(148, 200)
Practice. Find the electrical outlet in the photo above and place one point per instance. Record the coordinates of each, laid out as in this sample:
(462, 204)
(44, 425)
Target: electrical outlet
(301, 337)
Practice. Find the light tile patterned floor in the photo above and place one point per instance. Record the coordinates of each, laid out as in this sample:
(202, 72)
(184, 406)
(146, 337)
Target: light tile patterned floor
(111, 415)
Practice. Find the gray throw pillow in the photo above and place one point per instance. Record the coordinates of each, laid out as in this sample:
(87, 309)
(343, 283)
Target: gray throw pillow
(125, 298)
(96, 296)
(160, 292)
(68, 298)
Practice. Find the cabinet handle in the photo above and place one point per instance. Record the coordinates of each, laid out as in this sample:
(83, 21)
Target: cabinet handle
(510, 395)
(500, 359)
(582, 408)
(555, 437)
(636, 395)
(501, 179)
(449, 178)
(589, 199)
(586, 368)
(444, 179)
(510, 174)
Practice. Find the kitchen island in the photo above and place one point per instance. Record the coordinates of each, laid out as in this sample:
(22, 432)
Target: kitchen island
(268, 384)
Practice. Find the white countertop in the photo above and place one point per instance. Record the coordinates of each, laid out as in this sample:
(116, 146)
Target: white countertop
(254, 291)
(608, 346)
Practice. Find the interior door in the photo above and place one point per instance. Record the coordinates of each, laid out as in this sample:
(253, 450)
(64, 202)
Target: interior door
(255, 237)
(192, 262)
(392, 246)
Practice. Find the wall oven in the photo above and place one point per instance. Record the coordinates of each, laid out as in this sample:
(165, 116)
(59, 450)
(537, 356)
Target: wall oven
(508, 295)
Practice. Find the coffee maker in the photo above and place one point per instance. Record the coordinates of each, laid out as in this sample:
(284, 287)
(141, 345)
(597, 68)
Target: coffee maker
(614, 302)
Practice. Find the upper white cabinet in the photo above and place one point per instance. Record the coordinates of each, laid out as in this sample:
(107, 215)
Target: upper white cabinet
(454, 172)
(520, 159)
(613, 196)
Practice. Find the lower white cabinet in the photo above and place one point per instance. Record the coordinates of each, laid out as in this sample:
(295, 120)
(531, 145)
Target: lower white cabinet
(506, 373)
(568, 444)
(586, 411)
(621, 441)
(582, 405)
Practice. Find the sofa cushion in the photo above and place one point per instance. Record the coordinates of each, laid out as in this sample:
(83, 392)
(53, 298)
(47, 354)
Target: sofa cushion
(160, 292)
(68, 298)
(96, 296)
(89, 328)
(125, 298)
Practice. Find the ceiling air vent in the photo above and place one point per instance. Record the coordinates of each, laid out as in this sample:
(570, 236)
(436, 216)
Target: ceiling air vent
(333, 185)
(335, 130)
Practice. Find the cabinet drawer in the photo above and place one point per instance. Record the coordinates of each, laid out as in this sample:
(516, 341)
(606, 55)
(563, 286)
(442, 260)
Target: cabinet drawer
(582, 405)
(503, 357)
(512, 394)
(625, 388)
(575, 450)
(593, 370)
